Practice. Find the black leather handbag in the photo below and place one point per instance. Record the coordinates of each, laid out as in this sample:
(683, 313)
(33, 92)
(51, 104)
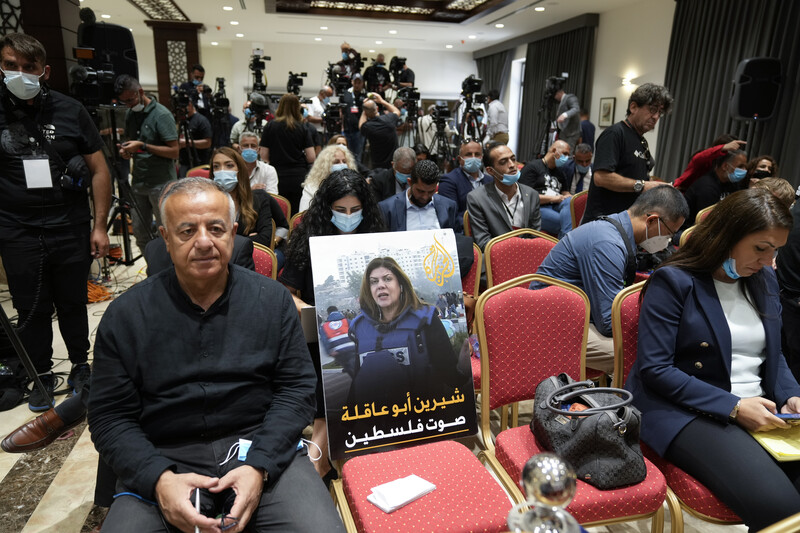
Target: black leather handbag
(595, 429)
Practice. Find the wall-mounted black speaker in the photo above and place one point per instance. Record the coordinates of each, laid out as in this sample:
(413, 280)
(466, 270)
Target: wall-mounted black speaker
(755, 90)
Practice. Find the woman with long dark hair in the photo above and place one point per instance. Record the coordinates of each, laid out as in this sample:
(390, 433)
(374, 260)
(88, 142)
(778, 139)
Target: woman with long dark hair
(343, 204)
(287, 145)
(709, 369)
(254, 213)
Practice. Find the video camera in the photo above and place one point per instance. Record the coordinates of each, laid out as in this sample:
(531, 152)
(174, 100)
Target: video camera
(295, 82)
(396, 67)
(410, 97)
(440, 115)
(180, 99)
(337, 78)
(552, 85)
(257, 67)
(219, 99)
(471, 88)
(332, 117)
(91, 86)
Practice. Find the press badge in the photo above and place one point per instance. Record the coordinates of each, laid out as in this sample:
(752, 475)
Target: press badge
(37, 172)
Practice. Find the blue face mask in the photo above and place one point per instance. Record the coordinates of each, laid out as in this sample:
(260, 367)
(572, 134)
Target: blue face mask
(195, 82)
(346, 223)
(583, 169)
(227, 179)
(248, 113)
(403, 112)
(401, 178)
(510, 179)
(729, 266)
(344, 55)
(561, 161)
(737, 175)
(249, 155)
(305, 112)
(338, 166)
(326, 100)
(472, 165)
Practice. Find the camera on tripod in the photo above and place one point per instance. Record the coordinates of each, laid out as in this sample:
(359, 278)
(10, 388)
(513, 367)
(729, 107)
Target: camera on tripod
(219, 100)
(440, 115)
(332, 117)
(337, 79)
(410, 97)
(471, 88)
(257, 67)
(91, 86)
(295, 82)
(552, 85)
(180, 100)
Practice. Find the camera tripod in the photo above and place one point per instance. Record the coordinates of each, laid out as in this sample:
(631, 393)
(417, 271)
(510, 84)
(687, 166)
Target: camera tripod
(440, 147)
(409, 136)
(185, 132)
(548, 125)
(470, 128)
(220, 126)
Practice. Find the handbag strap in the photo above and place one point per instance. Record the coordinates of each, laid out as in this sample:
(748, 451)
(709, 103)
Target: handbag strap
(566, 392)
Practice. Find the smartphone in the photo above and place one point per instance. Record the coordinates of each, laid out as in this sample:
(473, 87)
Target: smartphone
(790, 418)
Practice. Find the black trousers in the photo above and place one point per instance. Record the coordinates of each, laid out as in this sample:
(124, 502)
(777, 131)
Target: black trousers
(790, 333)
(46, 269)
(734, 466)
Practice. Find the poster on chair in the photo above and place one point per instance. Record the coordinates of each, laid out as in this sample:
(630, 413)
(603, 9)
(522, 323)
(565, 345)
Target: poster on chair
(392, 340)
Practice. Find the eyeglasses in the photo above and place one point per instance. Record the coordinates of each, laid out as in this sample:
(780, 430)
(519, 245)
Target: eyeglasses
(226, 522)
(656, 109)
(129, 101)
(661, 220)
(468, 140)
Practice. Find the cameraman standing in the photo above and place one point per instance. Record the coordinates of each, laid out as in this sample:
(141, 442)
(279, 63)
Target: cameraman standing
(49, 158)
(196, 150)
(197, 91)
(406, 77)
(353, 99)
(153, 147)
(496, 118)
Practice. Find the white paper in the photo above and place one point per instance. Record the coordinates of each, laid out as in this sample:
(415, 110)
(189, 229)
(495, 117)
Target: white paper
(37, 173)
(395, 494)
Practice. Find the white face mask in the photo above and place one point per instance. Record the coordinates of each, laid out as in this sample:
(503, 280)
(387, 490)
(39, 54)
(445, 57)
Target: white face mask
(21, 84)
(656, 243)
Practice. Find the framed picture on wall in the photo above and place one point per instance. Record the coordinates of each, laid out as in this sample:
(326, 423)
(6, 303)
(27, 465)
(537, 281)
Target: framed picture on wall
(607, 106)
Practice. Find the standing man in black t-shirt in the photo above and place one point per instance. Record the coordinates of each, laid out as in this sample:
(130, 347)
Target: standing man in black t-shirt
(622, 160)
(50, 158)
(201, 132)
(379, 130)
(406, 77)
(352, 99)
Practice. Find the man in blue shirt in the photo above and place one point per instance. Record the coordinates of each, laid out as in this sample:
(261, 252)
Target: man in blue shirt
(600, 258)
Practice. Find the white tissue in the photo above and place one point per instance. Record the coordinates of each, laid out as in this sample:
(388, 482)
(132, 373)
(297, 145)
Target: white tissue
(395, 494)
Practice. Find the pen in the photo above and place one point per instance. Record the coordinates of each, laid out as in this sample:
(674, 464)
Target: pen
(197, 506)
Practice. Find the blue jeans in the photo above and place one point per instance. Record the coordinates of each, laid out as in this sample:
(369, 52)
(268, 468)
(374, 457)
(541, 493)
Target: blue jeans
(556, 218)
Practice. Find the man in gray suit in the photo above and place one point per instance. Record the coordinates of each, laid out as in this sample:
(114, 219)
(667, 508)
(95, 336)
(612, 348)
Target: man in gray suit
(504, 205)
(568, 118)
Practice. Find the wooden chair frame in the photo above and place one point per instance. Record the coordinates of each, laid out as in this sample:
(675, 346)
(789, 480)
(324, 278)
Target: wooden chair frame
(573, 216)
(266, 250)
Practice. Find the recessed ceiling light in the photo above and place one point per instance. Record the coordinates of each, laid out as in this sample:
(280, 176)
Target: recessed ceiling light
(372, 51)
(240, 34)
(448, 46)
(473, 36)
(393, 32)
(234, 23)
(498, 25)
(227, 8)
(323, 27)
(540, 8)
(378, 42)
(105, 16)
(317, 38)
(214, 43)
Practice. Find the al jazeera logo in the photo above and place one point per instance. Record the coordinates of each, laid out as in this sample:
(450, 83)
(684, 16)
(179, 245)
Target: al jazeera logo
(439, 264)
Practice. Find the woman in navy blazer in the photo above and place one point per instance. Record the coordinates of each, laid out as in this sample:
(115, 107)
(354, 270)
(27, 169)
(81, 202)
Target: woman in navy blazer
(681, 380)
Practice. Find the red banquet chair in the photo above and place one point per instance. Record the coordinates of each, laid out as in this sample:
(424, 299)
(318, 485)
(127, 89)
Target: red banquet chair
(202, 171)
(577, 206)
(286, 207)
(470, 285)
(295, 221)
(515, 253)
(537, 334)
(686, 493)
(265, 261)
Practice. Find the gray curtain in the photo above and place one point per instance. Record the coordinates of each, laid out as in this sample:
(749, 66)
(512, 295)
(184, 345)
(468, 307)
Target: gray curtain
(571, 52)
(494, 71)
(709, 39)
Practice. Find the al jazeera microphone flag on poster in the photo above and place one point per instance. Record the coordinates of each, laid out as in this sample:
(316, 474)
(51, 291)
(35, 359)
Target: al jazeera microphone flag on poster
(392, 340)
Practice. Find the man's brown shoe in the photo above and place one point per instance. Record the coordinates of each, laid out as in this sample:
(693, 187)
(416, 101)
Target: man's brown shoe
(37, 433)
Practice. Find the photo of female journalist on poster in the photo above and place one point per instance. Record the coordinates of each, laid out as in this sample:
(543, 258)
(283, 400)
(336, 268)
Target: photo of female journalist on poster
(401, 343)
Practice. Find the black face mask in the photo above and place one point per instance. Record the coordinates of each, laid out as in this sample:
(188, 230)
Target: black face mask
(761, 174)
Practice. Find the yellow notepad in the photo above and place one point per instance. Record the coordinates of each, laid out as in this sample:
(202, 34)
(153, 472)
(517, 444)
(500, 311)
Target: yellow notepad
(782, 444)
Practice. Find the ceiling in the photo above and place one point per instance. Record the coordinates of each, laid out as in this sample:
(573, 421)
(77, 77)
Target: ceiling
(518, 17)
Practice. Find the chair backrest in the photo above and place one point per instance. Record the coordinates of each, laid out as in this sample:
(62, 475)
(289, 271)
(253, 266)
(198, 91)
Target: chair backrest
(515, 253)
(703, 213)
(471, 283)
(527, 336)
(286, 207)
(265, 261)
(467, 229)
(577, 205)
(296, 219)
(202, 171)
(686, 234)
(625, 331)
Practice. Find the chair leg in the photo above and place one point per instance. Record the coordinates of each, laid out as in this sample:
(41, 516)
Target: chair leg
(658, 521)
(337, 493)
(675, 512)
(503, 418)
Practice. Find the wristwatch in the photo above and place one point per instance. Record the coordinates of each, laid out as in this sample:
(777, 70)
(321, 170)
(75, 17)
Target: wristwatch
(638, 186)
(144, 147)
